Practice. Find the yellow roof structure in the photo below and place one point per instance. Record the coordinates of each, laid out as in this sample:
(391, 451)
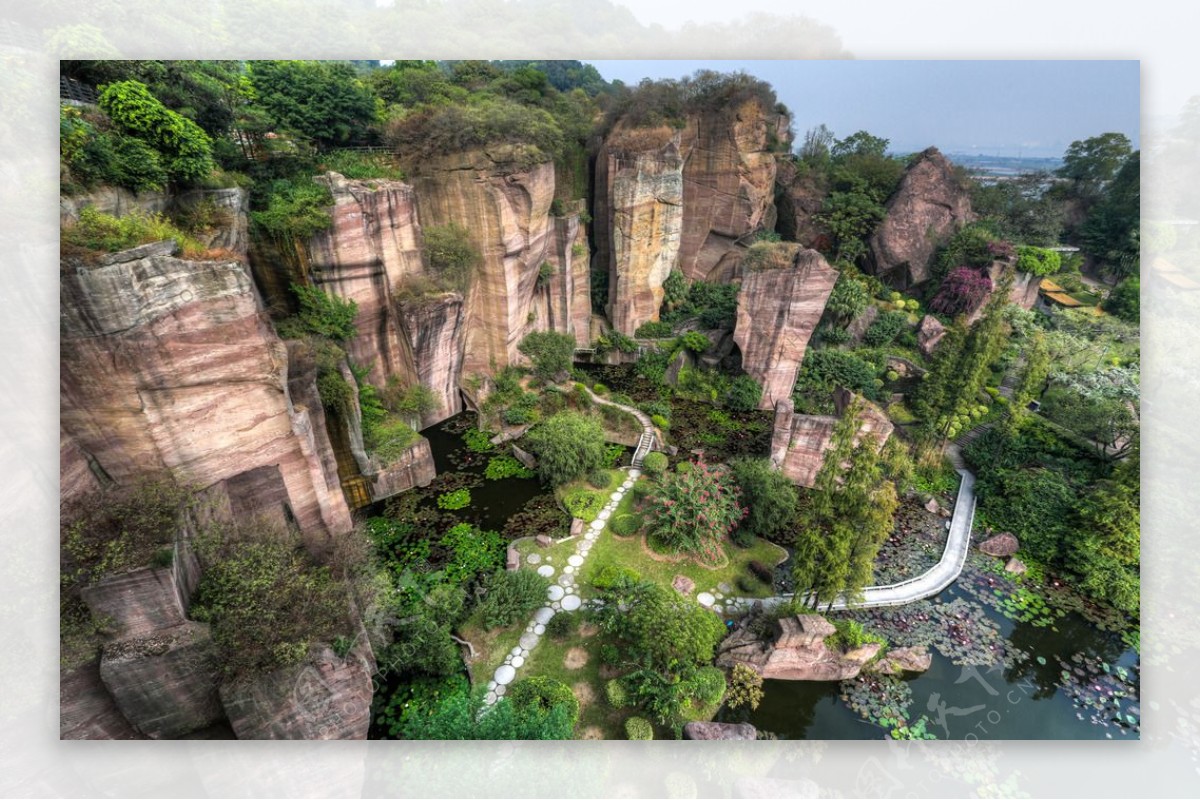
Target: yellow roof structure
(1063, 299)
(1048, 285)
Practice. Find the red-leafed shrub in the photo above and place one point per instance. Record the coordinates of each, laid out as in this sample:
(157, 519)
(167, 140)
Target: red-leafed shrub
(962, 292)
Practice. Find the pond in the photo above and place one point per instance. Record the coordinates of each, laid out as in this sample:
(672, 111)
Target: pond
(1026, 700)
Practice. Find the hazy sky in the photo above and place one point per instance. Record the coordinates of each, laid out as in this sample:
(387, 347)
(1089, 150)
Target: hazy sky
(994, 107)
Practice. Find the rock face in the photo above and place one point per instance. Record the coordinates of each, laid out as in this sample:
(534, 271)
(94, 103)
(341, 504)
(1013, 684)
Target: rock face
(502, 196)
(142, 601)
(903, 659)
(798, 199)
(86, 710)
(325, 697)
(929, 334)
(728, 731)
(927, 208)
(681, 198)
(165, 684)
(799, 441)
(1002, 545)
(435, 332)
(169, 364)
(639, 219)
(798, 653)
(777, 311)
(414, 467)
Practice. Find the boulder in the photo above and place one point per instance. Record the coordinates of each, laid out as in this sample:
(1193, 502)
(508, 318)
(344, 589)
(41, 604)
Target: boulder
(86, 709)
(903, 659)
(1002, 545)
(858, 326)
(543, 540)
(798, 652)
(414, 467)
(683, 358)
(683, 584)
(324, 697)
(929, 334)
(525, 457)
(512, 559)
(729, 731)
(928, 207)
(933, 507)
(165, 684)
(782, 298)
(1015, 565)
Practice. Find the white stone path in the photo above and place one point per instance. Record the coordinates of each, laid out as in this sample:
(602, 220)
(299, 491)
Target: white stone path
(562, 596)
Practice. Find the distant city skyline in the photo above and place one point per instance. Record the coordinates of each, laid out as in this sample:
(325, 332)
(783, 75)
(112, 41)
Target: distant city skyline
(1028, 108)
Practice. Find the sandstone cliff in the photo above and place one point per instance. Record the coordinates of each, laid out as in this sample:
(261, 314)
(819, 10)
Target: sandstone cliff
(799, 196)
(927, 208)
(502, 196)
(799, 441)
(169, 364)
(683, 198)
(778, 309)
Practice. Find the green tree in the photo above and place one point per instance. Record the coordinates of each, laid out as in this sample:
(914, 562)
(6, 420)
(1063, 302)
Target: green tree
(770, 500)
(658, 628)
(1091, 163)
(850, 217)
(323, 101)
(850, 297)
(1106, 551)
(551, 353)
(860, 143)
(1021, 209)
(1111, 231)
(185, 148)
(567, 445)
(1125, 300)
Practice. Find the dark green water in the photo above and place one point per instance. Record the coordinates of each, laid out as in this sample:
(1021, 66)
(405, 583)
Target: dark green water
(1024, 702)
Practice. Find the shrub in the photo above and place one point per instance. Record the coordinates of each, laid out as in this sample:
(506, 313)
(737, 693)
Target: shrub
(692, 511)
(599, 479)
(545, 273)
(390, 439)
(770, 500)
(745, 687)
(660, 422)
(708, 685)
(543, 694)
(885, 328)
(962, 292)
(512, 596)
(615, 693)
(625, 524)
(599, 388)
(892, 375)
(654, 330)
(683, 467)
(550, 352)
(747, 585)
(611, 575)
(583, 503)
(851, 635)
(610, 655)
(324, 314)
(266, 601)
(567, 445)
(99, 232)
(295, 210)
(642, 489)
(519, 415)
(452, 501)
(744, 394)
(654, 462)
(694, 341)
(561, 625)
(638, 729)
(335, 391)
(1038, 260)
(437, 129)
(451, 256)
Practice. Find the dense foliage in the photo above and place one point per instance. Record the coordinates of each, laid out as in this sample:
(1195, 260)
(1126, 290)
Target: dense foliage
(185, 150)
(551, 352)
(694, 511)
(567, 445)
(770, 500)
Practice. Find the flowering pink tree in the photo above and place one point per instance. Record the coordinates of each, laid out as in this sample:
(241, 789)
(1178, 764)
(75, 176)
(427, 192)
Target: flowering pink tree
(963, 291)
(693, 511)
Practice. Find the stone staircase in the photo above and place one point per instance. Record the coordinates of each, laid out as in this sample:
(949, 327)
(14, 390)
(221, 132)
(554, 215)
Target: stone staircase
(644, 446)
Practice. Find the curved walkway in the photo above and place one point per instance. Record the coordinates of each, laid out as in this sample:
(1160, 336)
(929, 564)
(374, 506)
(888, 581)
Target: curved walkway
(941, 575)
(649, 438)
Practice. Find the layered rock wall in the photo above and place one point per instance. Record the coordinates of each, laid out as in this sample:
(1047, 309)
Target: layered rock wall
(777, 311)
(799, 441)
(168, 364)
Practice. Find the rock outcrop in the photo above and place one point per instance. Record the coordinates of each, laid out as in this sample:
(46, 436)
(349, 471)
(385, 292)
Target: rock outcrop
(927, 208)
(435, 332)
(799, 197)
(929, 334)
(502, 195)
(413, 467)
(799, 652)
(142, 601)
(799, 441)
(899, 660)
(86, 709)
(639, 221)
(713, 731)
(684, 198)
(169, 364)
(324, 697)
(777, 311)
(165, 683)
(1002, 545)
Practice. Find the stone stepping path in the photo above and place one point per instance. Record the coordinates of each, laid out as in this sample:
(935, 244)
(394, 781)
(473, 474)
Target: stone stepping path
(562, 596)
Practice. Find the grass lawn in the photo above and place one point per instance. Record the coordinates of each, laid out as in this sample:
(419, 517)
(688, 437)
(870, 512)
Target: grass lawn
(490, 646)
